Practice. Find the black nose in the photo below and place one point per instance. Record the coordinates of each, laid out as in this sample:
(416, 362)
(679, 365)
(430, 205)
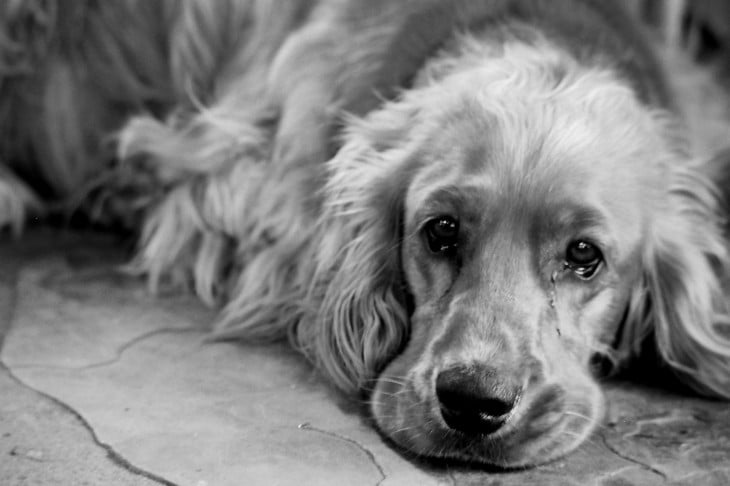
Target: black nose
(473, 400)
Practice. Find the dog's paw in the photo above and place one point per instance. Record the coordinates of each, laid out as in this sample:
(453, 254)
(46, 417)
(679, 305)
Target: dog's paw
(186, 238)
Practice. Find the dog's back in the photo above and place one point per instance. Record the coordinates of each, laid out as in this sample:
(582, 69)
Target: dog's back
(104, 63)
(380, 46)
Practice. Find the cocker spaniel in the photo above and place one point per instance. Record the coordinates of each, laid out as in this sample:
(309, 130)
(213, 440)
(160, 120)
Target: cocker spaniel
(451, 206)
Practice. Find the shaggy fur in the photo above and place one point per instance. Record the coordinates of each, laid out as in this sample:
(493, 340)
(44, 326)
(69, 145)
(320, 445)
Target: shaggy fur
(533, 124)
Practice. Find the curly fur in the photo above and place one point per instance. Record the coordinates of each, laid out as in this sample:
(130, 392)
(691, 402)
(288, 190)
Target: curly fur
(208, 124)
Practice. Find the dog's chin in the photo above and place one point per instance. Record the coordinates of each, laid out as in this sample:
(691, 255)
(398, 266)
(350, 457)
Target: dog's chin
(541, 429)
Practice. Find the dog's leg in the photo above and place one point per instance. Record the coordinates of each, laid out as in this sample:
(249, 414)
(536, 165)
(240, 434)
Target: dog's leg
(213, 151)
(16, 201)
(188, 236)
(236, 235)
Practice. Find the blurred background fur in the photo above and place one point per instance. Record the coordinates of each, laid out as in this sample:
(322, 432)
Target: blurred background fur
(693, 35)
(694, 38)
(174, 86)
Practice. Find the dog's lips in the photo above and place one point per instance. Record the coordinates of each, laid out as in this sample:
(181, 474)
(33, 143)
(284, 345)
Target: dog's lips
(518, 447)
(513, 445)
(533, 435)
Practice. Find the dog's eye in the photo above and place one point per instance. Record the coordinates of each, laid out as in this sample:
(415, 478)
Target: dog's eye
(442, 234)
(583, 258)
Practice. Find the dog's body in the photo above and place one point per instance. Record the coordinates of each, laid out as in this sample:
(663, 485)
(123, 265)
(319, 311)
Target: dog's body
(507, 194)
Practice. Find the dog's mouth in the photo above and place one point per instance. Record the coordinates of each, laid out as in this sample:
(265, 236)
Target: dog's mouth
(547, 422)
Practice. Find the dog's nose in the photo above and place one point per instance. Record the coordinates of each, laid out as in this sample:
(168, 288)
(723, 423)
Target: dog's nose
(473, 400)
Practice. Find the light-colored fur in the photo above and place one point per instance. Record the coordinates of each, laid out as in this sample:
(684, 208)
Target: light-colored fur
(209, 124)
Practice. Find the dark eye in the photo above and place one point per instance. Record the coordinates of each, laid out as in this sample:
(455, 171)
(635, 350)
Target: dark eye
(583, 258)
(442, 234)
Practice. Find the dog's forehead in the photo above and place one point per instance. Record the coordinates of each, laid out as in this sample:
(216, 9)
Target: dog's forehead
(588, 125)
(479, 155)
(544, 171)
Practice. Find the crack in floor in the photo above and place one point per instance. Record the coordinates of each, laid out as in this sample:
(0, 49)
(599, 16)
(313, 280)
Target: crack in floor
(116, 458)
(119, 353)
(657, 419)
(616, 472)
(9, 313)
(643, 465)
(365, 450)
(702, 474)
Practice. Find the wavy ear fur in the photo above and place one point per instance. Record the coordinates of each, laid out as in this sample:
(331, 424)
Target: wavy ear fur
(683, 301)
(361, 315)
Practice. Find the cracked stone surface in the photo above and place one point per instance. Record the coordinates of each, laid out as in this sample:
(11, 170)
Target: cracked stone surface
(105, 384)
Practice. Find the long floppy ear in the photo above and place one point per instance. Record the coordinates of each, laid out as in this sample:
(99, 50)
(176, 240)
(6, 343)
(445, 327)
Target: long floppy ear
(360, 315)
(684, 301)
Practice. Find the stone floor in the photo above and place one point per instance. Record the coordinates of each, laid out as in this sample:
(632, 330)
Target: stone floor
(102, 384)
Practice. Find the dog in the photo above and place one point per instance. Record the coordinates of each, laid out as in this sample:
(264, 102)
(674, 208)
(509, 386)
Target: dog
(450, 207)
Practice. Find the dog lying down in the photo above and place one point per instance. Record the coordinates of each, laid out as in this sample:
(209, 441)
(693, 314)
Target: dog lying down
(451, 207)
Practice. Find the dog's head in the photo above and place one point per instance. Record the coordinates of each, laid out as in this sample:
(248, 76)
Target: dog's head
(486, 236)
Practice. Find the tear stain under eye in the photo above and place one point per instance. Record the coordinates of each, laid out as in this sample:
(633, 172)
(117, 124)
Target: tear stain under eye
(553, 288)
(554, 292)
(553, 296)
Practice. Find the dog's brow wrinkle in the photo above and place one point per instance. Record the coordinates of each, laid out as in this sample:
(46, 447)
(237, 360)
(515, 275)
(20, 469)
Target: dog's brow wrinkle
(580, 215)
(455, 195)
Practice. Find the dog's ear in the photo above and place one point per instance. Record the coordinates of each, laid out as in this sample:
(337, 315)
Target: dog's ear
(360, 318)
(682, 301)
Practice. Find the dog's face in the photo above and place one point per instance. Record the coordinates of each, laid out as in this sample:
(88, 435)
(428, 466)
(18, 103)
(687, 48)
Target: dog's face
(489, 233)
(522, 241)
